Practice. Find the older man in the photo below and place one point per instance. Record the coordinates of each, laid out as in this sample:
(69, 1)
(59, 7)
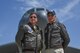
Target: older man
(31, 40)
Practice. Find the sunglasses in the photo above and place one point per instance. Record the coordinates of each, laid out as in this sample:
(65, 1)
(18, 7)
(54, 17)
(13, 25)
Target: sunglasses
(33, 17)
(50, 15)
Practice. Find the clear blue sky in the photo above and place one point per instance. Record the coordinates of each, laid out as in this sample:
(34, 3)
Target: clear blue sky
(67, 11)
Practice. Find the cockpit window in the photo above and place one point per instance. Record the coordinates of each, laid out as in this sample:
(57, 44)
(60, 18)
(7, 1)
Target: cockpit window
(39, 9)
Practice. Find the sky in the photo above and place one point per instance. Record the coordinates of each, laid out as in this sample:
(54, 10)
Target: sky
(67, 11)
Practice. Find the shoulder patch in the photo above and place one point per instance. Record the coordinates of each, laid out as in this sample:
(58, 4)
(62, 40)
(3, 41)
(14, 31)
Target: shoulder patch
(27, 27)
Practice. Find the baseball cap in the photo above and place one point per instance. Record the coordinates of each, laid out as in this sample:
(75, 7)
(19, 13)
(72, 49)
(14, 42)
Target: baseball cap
(52, 13)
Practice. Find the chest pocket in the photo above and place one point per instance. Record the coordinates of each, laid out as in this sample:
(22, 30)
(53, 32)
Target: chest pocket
(55, 37)
(29, 37)
(55, 34)
(55, 30)
(31, 40)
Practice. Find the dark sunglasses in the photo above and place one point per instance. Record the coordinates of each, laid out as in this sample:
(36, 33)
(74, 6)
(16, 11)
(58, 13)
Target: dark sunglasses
(33, 17)
(50, 15)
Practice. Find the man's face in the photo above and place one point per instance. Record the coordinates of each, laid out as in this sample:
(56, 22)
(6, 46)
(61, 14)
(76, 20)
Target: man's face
(51, 18)
(33, 19)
